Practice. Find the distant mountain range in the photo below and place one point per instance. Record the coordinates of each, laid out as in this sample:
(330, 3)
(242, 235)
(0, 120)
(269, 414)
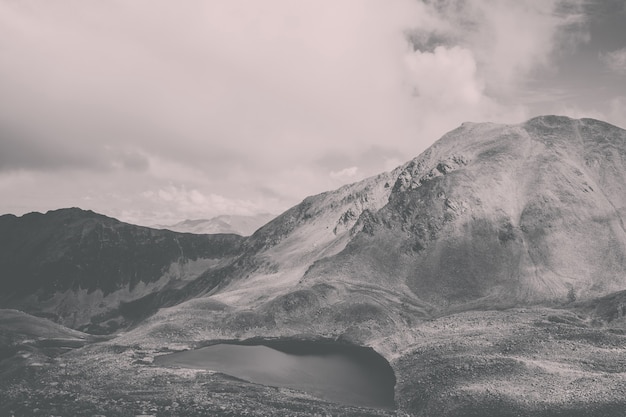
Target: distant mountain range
(490, 218)
(237, 224)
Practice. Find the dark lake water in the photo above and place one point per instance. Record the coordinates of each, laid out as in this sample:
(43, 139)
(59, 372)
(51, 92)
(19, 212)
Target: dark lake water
(334, 372)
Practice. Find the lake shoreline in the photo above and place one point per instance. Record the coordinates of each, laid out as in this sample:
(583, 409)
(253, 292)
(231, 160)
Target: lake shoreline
(331, 370)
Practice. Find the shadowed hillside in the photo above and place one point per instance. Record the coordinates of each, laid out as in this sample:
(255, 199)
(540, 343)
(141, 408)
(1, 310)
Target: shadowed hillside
(489, 271)
(72, 265)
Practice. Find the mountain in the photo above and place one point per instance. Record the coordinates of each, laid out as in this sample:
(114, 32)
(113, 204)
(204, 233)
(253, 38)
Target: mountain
(490, 216)
(485, 270)
(489, 271)
(499, 215)
(236, 224)
(74, 265)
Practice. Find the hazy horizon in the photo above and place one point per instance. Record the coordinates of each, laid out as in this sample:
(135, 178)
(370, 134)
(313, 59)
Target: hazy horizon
(155, 112)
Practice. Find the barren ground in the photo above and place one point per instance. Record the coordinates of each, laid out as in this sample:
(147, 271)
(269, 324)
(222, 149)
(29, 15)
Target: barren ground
(519, 362)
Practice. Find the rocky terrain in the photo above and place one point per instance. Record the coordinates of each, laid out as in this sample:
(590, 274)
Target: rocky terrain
(515, 362)
(489, 271)
(85, 270)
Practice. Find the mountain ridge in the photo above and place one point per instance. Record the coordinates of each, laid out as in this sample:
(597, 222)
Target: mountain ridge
(76, 265)
(458, 228)
(472, 221)
(433, 186)
(490, 271)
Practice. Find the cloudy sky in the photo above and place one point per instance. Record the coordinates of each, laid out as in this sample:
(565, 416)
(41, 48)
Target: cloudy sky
(154, 111)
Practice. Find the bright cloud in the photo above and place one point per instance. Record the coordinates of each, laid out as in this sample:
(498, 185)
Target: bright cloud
(615, 60)
(248, 106)
(345, 174)
(182, 202)
(617, 113)
(446, 76)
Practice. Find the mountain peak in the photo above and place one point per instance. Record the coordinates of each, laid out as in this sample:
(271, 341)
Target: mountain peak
(501, 214)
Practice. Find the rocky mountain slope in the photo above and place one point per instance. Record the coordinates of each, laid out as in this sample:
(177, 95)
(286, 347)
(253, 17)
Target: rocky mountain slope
(500, 215)
(491, 216)
(235, 224)
(490, 271)
(74, 265)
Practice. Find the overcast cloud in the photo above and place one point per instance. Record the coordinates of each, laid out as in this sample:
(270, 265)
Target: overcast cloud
(615, 60)
(155, 111)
